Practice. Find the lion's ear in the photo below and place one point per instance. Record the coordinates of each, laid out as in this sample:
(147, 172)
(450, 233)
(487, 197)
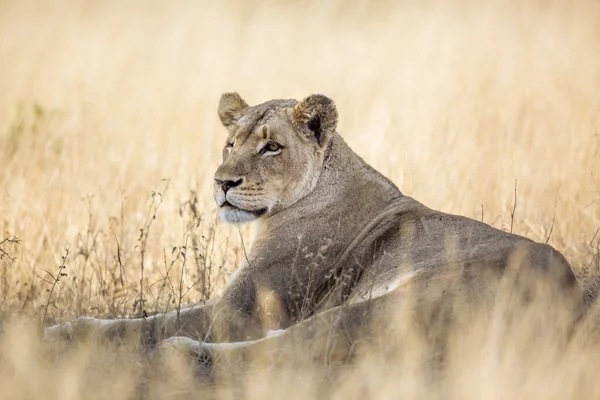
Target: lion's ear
(317, 116)
(231, 108)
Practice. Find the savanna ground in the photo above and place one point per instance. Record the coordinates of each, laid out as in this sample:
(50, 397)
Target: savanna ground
(109, 139)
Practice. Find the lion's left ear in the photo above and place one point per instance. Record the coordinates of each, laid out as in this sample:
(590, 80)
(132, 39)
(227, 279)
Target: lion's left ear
(231, 108)
(316, 115)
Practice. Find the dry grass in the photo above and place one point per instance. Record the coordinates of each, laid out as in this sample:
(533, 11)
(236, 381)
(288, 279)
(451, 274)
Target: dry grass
(109, 139)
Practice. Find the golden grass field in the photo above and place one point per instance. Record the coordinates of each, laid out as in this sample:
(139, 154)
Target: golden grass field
(109, 139)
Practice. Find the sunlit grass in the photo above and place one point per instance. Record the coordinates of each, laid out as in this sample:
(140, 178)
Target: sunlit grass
(109, 139)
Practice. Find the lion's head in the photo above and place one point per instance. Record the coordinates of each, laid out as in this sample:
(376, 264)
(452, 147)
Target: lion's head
(273, 154)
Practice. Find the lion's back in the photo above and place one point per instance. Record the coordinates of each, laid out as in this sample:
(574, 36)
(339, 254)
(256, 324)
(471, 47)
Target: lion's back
(431, 251)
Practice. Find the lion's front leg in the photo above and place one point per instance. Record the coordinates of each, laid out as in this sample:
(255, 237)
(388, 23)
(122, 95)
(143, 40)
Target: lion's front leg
(195, 322)
(228, 357)
(328, 337)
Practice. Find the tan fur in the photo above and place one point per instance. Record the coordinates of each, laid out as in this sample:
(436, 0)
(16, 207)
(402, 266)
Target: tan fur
(338, 241)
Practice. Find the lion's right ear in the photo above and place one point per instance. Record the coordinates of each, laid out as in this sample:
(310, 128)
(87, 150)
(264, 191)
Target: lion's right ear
(231, 108)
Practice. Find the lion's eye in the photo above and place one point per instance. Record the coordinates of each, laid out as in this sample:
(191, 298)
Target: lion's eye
(271, 147)
(229, 146)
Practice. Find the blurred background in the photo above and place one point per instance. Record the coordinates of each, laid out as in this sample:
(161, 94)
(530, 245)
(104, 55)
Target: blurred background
(109, 139)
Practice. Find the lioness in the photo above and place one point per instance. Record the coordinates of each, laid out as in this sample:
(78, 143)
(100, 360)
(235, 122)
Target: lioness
(336, 242)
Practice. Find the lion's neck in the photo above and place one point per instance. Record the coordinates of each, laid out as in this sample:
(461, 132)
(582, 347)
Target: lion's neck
(348, 195)
(298, 249)
(343, 165)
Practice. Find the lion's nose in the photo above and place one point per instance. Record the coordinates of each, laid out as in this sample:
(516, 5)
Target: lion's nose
(228, 184)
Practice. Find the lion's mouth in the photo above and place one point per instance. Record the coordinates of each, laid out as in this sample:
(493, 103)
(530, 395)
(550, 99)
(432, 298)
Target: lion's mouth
(257, 213)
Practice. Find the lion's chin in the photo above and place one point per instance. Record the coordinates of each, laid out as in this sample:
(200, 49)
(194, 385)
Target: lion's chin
(234, 215)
